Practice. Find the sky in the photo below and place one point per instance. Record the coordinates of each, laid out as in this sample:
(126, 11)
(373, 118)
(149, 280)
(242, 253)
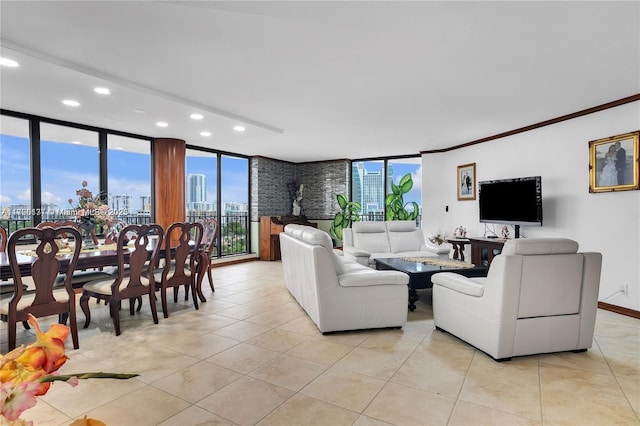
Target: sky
(64, 166)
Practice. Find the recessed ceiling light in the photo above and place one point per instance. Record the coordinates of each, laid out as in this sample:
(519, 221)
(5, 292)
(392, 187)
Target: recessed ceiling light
(8, 62)
(102, 90)
(197, 116)
(76, 142)
(239, 128)
(120, 148)
(162, 124)
(205, 133)
(71, 103)
(139, 111)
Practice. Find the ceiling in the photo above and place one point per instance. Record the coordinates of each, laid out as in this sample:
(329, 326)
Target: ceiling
(317, 81)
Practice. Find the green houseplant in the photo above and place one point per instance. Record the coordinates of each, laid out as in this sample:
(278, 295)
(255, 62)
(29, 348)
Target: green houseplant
(394, 201)
(349, 212)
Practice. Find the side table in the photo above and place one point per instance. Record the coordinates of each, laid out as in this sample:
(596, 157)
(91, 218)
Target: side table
(458, 247)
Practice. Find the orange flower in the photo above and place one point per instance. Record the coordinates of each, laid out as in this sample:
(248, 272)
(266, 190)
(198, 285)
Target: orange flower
(87, 422)
(47, 352)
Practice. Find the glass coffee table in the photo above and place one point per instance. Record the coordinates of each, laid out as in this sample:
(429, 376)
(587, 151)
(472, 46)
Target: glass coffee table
(420, 273)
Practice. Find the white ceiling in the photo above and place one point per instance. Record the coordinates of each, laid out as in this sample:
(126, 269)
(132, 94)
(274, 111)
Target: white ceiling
(318, 80)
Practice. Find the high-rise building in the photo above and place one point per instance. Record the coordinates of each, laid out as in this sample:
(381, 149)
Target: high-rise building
(357, 171)
(196, 188)
(145, 202)
(372, 192)
(120, 203)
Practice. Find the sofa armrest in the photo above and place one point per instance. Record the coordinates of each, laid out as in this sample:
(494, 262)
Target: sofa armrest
(368, 277)
(456, 282)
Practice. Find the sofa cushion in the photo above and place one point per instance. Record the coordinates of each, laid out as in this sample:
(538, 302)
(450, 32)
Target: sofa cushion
(404, 235)
(371, 236)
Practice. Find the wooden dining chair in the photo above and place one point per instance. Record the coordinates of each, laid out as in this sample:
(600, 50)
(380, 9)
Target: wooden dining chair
(131, 280)
(56, 224)
(181, 250)
(208, 245)
(3, 239)
(46, 299)
(79, 278)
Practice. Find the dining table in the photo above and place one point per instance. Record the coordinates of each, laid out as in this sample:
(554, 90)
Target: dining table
(100, 257)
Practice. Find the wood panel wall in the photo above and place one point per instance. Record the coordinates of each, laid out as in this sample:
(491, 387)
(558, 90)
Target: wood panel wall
(169, 177)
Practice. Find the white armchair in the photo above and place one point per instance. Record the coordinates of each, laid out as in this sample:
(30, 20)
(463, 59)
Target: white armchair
(540, 296)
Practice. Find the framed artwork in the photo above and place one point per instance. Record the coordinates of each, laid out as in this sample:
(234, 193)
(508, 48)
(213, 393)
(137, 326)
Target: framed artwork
(467, 182)
(613, 163)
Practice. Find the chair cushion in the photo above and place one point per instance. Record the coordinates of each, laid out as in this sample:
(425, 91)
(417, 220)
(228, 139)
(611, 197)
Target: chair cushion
(104, 286)
(26, 300)
(80, 278)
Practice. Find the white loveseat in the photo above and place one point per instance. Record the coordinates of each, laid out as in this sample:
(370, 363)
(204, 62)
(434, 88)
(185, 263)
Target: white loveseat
(366, 241)
(540, 296)
(337, 294)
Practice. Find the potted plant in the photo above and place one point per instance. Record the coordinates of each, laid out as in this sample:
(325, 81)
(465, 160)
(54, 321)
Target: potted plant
(396, 208)
(350, 212)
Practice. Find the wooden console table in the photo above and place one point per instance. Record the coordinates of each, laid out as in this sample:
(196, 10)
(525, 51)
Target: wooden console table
(270, 229)
(483, 250)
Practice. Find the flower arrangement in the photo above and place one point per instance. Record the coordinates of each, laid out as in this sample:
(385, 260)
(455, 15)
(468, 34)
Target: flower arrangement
(28, 371)
(90, 208)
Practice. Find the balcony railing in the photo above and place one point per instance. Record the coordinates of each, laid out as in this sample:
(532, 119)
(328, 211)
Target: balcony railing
(232, 236)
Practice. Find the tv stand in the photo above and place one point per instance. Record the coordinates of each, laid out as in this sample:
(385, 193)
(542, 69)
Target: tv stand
(483, 250)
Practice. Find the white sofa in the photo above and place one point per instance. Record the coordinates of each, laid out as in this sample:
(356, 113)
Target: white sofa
(366, 241)
(540, 296)
(337, 294)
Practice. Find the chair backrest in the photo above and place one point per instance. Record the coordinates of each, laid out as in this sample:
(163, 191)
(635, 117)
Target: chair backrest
(551, 275)
(186, 237)
(71, 223)
(210, 231)
(3, 239)
(115, 228)
(317, 237)
(404, 235)
(138, 254)
(45, 268)
(370, 236)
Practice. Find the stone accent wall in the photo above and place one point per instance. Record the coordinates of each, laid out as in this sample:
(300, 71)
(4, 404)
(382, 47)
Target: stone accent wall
(321, 180)
(269, 194)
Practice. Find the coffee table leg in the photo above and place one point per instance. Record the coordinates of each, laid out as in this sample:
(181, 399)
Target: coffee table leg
(413, 297)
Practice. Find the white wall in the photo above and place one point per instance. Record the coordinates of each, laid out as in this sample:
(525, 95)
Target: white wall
(605, 222)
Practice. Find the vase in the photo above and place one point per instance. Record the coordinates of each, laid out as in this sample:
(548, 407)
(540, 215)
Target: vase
(88, 226)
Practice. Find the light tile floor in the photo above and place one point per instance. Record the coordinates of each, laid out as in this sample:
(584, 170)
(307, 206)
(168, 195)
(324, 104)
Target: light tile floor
(250, 355)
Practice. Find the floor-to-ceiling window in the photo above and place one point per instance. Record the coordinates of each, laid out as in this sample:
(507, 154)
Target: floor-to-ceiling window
(15, 173)
(217, 185)
(68, 157)
(371, 183)
(129, 179)
(45, 162)
(234, 184)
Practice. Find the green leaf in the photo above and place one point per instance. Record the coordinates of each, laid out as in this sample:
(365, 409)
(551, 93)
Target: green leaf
(342, 201)
(337, 221)
(396, 189)
(406, 178)
(389, 199)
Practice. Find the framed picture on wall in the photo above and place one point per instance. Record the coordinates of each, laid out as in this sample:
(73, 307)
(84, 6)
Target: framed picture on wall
(467, 182)
(613, 163)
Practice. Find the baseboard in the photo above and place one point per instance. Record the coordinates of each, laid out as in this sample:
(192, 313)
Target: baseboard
(619, 310)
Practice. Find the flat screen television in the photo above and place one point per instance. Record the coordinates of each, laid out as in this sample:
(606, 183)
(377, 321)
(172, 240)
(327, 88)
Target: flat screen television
(516, 201)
